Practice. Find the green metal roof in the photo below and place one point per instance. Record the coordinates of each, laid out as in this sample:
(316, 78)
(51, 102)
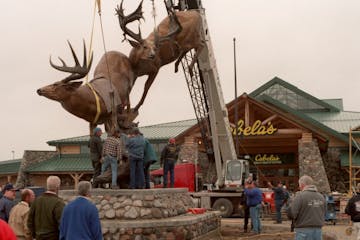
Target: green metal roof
(10, 166)
(339, 121)
(292, 96)
(344, 157)
(303, 116)
(63, 163)
(151, 132)
(338, 103)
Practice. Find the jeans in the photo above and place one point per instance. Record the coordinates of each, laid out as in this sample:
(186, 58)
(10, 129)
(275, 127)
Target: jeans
(255, 218)
(110, 161)
(278, 205)
(95, 160)
(147, 175)
(136, 173)
(169, 167)
(308, 234)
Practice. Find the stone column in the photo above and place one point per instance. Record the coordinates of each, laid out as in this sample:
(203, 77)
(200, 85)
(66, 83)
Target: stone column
(29, 158)
(189, 150)
(311, 163)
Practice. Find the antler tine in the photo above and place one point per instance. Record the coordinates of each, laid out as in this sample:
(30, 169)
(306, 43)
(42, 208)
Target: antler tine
(74, 54)
(123, 20)
(78, 71)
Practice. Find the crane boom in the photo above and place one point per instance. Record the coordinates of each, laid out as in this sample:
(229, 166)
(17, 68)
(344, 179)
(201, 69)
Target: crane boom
(210, 109)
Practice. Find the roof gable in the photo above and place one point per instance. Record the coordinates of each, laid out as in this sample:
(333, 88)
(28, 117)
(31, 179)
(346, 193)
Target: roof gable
(293, 97)
(303, 116)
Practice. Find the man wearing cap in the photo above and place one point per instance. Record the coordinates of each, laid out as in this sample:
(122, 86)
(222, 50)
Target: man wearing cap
(279, 198)
(169, 156)
(135, 144)
(7, 201)
(96, 148)
(353, 209)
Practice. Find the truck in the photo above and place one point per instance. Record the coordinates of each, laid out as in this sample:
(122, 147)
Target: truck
(226, 193)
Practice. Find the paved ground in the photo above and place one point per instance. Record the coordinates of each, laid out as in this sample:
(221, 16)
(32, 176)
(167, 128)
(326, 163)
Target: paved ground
(232, 229)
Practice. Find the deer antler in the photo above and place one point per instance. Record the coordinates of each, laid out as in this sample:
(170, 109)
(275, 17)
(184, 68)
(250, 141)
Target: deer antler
(77, 72)
(123, 20)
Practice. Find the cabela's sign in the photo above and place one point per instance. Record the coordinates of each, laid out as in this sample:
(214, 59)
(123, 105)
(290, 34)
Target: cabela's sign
(257, 129)
(267, 159)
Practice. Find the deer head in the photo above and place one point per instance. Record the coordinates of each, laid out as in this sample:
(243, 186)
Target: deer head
(146, 49)
(63, 88)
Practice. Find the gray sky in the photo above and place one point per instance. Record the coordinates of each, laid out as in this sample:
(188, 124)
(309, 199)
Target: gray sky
(314, 45)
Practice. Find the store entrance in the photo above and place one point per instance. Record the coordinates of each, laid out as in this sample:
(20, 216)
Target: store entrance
(289, 176)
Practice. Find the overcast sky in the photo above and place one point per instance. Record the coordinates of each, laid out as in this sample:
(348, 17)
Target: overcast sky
(314, 45)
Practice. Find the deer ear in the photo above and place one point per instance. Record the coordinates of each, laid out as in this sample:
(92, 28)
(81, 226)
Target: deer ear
(134, 44)
(73, 85)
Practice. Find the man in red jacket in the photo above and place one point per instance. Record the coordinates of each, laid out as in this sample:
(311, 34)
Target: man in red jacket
(6, 232)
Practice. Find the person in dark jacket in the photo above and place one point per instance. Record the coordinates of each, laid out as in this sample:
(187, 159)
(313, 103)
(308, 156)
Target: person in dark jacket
(253, 201)
(279, 199)
(96, 149)
(149, 158)
(353, 209)
(169, 156)
(7, 202)
(135, 145)
(307, 210)
(45, 212)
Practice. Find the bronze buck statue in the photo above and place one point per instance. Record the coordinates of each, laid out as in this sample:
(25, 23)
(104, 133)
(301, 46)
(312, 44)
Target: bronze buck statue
(80, 100)
(175, 36)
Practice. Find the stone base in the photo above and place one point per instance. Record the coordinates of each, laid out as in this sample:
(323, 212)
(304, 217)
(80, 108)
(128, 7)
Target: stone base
(187, 226)
(148, 214)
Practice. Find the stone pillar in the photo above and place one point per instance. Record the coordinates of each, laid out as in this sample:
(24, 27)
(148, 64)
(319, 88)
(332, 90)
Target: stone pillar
(311, 163)
(189, 150)
(29, 158)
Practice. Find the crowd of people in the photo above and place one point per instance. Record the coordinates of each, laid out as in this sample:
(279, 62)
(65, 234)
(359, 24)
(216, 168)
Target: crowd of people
(46, 217)
(306, 209)
(139, 152)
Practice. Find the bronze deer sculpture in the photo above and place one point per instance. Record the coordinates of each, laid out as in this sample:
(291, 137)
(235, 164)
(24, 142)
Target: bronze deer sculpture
(164, 46)
(80, 100)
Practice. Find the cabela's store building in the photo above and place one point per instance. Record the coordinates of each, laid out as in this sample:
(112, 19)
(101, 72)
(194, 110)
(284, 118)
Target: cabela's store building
(284, 131)
(287, 133)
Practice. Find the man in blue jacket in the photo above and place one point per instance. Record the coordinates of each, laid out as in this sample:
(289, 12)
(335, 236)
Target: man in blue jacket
(149, 158)
(253, 201)
(80, 218)
(135, 144)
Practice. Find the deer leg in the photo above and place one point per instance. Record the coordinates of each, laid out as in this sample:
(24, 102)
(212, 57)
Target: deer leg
(148, 84)
(91, 128)
(182, 54)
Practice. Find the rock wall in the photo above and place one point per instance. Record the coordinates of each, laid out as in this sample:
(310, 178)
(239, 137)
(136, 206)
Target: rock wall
(29, 158)
(148, 214)
(336, 176)
(311, 163)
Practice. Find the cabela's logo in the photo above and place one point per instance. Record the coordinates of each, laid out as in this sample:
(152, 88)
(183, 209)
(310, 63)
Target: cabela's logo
(267, 159)
(257, 129)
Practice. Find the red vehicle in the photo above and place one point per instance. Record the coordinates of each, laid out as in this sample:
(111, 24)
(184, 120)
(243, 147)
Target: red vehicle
(268, 198)
(184, 177)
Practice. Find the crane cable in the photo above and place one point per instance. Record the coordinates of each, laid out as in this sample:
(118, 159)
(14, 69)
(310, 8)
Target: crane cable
(113, 110)
(97, 99)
